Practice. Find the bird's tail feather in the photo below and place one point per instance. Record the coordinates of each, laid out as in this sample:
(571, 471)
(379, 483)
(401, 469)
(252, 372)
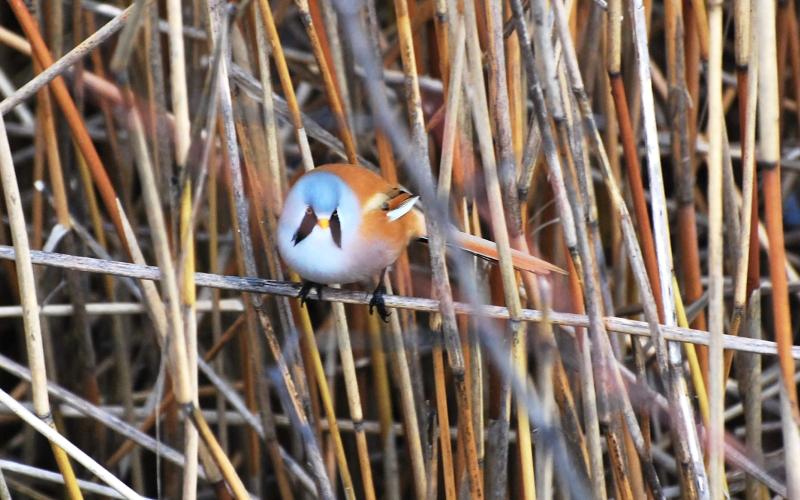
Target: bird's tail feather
(488, 249)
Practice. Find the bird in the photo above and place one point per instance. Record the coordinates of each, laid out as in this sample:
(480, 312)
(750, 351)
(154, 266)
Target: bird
(343, 223)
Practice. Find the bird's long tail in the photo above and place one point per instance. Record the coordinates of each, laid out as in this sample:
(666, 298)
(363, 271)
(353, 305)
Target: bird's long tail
(488, 249)
(483, 248)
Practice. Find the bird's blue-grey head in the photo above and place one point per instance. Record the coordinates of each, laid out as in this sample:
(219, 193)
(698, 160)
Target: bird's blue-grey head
(322, 192)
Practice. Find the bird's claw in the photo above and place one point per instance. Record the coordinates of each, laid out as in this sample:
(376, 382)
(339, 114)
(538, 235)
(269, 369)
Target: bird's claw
(377, 302)
(306, 289)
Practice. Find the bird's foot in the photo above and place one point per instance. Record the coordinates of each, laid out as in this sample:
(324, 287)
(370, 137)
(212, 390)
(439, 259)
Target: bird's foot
(306, 289)
(376, 302)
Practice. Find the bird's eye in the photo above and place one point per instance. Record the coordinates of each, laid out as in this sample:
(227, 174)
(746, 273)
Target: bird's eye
(309, 211)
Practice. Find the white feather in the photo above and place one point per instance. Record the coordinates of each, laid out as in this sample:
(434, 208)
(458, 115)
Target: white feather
(403, 209)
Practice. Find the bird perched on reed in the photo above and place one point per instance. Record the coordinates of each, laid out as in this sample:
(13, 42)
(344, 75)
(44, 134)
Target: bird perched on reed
(344, 224)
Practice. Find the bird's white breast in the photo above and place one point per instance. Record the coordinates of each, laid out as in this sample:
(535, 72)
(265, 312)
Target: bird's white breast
(316, 257)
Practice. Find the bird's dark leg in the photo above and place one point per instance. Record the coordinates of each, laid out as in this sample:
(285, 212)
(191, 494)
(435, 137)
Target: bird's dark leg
(306, 288)
(377, 302)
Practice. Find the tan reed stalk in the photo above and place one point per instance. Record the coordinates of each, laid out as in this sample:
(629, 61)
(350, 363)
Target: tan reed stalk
(186, 265)
(444, 423)
(286, 323)
(330, 375)
(286, 83)
(220, 458)
(454, 91)
(180, 110)
(154, 117)
(769, 138)
(450, 33)
(216, 316)
(176, 325)
(593, 455)
(591, 415)
(178, 89)
(5, 494)
(331, 89)
(658, 201)
(324, 12)
(399, 362)
(690, 258)
(716, 312)
(188, 299)
(255, 188)
(54, 170)
(747, 75)
(274, 189)
(476, 371)
(33, 334)
(78, 335)
(249, 348)
(327, 403)
(98, 65)
(749, 367)
(164, 259)
(353, 397)
(384, 410)
(453, 106)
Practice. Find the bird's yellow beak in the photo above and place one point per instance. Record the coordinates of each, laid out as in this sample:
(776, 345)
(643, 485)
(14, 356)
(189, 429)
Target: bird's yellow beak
(323, 223)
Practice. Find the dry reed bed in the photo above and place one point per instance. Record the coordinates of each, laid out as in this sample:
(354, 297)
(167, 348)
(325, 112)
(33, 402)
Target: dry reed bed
(637, 144)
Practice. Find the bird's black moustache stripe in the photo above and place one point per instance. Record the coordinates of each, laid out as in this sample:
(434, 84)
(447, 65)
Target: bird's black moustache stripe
(306, 226)
(336, 229)
(310, 220)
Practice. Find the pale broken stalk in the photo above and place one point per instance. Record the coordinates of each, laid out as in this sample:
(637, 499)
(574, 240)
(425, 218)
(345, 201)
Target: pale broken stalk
(716, 312)
(30, 305)
(689, 447)
(182, 136)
